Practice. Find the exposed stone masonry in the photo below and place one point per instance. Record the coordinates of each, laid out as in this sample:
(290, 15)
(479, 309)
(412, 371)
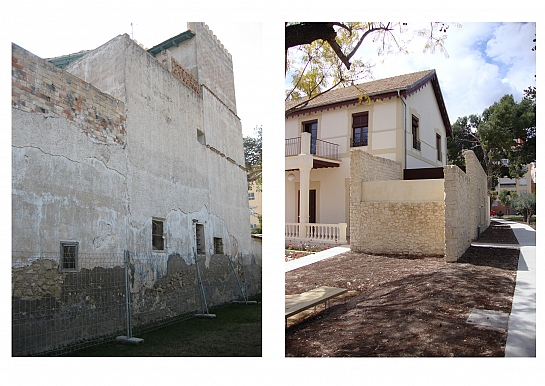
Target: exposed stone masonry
(42, 88)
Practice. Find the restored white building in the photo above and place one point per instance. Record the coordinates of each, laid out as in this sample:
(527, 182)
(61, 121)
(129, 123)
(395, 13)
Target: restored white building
(403, 119)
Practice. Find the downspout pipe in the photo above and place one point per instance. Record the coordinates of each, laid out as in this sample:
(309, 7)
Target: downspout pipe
(404, 128)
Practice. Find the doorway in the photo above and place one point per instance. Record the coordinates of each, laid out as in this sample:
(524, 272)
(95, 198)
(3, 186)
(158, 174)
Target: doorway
(311, 206)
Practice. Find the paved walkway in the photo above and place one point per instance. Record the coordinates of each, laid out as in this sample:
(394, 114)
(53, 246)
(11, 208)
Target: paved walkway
(315, 257)
(521, 328)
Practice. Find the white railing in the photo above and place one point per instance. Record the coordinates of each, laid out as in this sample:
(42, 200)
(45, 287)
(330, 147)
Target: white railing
(321, 233)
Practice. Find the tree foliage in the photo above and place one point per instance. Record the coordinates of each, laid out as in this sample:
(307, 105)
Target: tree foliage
(252, 157)
(320, 56)
(525, 203)
(506, 197)
(503, 138)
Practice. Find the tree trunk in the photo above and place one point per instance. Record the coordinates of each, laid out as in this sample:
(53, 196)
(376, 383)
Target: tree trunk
(306, 33)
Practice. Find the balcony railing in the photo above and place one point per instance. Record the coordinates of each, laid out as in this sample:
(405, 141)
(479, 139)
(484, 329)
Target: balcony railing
(293, 146)
(355, 142)
(320, 233)
(318, 147)
(416, 144)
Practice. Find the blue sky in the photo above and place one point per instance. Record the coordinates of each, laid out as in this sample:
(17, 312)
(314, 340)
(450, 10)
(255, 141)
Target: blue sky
(485, 61)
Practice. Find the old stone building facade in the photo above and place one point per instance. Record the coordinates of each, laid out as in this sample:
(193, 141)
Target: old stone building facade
(127, 149)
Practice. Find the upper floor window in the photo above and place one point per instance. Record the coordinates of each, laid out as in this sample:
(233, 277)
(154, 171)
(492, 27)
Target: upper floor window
(438, 146)
(251, 196)
(416, 134)
(360, 129)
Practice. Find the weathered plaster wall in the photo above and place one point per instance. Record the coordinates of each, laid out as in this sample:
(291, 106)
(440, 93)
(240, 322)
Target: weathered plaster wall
(66, 137)
(94, 169)
(173, 175)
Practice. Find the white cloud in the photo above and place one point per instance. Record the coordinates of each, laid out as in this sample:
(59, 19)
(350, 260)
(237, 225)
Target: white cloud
(486, 61)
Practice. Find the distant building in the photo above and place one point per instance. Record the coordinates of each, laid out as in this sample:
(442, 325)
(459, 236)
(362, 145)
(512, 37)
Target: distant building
(527, 184)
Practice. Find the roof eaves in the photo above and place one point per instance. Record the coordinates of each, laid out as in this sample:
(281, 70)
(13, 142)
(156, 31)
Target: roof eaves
(342, 102)
(63, 61)
(174, 41)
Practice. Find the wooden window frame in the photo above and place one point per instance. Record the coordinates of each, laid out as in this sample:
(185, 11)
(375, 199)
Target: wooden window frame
(358, 125)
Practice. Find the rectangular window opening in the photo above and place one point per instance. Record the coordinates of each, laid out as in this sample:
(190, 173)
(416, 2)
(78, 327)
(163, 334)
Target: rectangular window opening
(415, 127)
(69, 256)
(201, 138)
(438, 146)
(218, 245)
(199, 237)
(157, 235)
(360, 129)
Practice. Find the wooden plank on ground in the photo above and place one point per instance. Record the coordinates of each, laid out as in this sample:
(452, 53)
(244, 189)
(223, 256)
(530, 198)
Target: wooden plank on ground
(306, 300)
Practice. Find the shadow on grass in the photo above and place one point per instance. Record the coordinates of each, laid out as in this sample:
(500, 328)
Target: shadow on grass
(235, 332)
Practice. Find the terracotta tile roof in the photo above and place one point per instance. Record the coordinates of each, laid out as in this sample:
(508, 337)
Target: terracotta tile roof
(388, 87)
(374, 87)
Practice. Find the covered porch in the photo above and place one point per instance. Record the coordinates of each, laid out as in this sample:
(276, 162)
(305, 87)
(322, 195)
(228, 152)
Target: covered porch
(303, 154)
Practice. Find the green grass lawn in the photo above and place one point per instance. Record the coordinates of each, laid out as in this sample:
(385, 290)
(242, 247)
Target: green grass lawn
(236, 331)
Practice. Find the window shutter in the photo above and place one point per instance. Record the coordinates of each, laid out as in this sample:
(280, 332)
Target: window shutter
(360, 120)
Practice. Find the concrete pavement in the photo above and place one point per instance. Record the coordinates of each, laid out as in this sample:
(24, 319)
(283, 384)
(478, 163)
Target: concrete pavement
(521, 330)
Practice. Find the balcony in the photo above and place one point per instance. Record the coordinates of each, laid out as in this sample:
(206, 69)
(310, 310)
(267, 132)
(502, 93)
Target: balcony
(318, 148)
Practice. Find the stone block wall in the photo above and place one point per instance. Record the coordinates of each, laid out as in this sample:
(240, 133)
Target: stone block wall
(42, 88)
(466, 206)
(480, 202)
(54, 309)
(366, 167)
(414, 228)
(397, 227)
(458, 232)
(428, 225)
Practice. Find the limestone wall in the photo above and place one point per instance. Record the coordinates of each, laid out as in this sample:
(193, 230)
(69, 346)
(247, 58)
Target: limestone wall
(466, 206)
(418, 217)
(415, 228)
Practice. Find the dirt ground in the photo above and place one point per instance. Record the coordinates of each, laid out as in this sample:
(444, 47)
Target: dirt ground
(406, 306)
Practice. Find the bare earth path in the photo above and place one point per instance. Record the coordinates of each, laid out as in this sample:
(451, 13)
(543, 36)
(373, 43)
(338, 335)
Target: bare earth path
(406, 306)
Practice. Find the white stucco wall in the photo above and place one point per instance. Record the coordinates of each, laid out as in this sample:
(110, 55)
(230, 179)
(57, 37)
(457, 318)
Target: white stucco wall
(423, 105)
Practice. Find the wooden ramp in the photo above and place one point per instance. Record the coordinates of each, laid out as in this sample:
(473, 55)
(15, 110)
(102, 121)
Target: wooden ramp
(312, 298)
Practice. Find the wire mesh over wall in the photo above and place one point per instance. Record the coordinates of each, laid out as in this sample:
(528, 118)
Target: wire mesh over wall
(56, 311)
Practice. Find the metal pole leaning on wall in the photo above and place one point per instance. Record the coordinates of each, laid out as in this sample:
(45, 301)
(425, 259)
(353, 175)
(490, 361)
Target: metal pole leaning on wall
(242, 289)
(244, 281)
(203, 296)
(129, 338)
